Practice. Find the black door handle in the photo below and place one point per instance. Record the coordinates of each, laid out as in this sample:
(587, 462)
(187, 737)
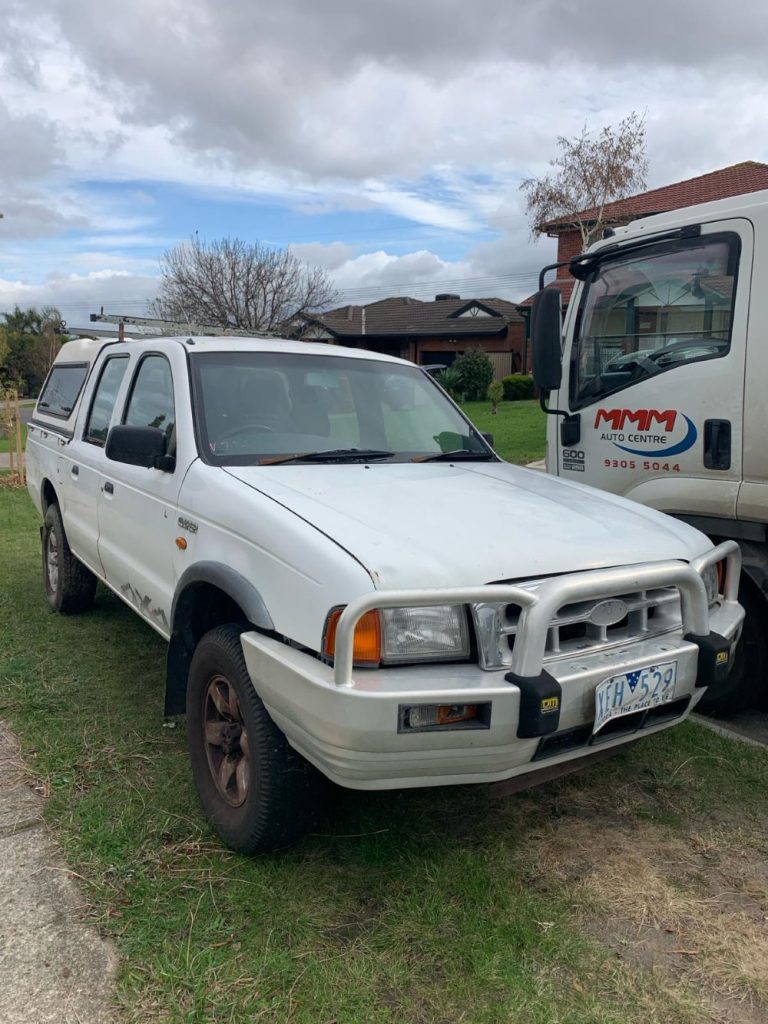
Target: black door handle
(717, 444)
(109, 488)
(75, 471)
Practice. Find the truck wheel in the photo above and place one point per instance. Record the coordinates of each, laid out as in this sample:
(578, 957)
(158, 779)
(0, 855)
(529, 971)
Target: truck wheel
(256, 791)
(747, 683)
(69, 585)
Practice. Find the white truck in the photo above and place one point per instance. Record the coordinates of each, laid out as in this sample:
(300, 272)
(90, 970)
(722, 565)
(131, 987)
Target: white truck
(352, 583)
(658, 385)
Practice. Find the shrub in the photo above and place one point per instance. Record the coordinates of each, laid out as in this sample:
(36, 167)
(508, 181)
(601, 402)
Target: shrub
(517, 387)
(495, 393)
(451, 381)
(476, 373)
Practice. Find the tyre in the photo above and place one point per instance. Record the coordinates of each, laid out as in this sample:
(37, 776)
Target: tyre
(257, 792)
(69, 585)
(747, 682)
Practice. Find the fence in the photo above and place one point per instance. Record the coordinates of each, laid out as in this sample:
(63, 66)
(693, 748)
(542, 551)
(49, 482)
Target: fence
(502, 364)
(11, 424)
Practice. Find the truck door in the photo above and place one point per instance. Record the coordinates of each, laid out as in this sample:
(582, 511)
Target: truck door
(654, 367)
(138, 506)
(82, 460)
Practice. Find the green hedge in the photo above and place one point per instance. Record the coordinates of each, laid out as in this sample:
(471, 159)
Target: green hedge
(517, 386)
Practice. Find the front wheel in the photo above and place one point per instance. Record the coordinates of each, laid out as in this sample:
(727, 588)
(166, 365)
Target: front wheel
(257, 792)
(69, 585)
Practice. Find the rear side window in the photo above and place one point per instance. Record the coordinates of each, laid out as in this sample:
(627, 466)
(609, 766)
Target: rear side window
(62, 389)
(104, 398)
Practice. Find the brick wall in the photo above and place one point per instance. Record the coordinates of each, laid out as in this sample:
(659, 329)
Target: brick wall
(568, 246)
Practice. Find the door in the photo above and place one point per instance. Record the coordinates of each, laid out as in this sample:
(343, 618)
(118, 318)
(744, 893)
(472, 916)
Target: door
(654, 367)
(82, 460)
(137, 506)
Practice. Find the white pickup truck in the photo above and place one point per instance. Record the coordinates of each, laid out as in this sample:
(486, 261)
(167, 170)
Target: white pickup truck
(352, 581)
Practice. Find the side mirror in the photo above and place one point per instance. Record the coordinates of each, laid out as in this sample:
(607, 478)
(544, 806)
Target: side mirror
(546, 339)
(488, 438)
(139, 446)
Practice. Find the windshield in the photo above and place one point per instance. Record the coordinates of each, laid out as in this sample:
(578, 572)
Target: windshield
(653, 310)
(254, 407)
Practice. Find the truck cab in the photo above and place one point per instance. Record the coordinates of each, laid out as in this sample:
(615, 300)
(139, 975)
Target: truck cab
(656, 381)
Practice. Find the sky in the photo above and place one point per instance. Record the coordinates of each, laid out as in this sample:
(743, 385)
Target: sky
(384, 140)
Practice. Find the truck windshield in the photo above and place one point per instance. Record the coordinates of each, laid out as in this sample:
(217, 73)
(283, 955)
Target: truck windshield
(654, 310)
(275, 408)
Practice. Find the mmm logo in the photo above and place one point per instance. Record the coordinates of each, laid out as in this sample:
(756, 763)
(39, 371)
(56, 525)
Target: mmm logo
(641, 419)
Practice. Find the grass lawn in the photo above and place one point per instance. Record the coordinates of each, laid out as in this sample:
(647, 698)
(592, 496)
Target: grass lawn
(519, 428)
(597, 899)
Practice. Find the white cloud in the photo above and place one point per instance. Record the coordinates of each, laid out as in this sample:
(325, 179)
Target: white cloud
(79, 295)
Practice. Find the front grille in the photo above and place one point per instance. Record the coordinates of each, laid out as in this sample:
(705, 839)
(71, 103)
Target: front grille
(572, 631)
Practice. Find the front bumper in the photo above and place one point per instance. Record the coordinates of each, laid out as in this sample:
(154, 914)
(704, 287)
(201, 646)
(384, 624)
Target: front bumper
(346, 722)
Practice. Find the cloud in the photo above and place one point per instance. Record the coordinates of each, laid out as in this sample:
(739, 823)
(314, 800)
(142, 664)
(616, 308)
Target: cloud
(79, 295)
(330, 257)
(361, 91)
(419, 118)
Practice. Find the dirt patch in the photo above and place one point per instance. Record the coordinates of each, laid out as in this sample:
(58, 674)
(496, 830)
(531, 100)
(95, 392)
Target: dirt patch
(688, 903)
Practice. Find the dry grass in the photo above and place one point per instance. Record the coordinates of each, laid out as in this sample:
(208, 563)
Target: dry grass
(688, 904)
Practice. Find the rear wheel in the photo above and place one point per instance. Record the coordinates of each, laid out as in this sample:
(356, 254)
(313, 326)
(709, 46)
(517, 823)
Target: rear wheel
(69, 585)
(257, 792)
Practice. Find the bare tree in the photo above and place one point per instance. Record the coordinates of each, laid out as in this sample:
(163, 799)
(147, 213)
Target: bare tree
(232, 283)
(589, 172)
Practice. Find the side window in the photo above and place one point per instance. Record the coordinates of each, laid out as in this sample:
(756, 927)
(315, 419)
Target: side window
(653, 310)
(61, 390)
(150, 403)
(104, 398)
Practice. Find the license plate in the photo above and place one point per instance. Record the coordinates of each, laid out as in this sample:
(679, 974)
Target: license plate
(634, 691)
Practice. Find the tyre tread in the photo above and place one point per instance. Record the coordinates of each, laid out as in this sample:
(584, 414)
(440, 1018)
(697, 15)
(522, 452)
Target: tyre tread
(77, 584)
(287, 797)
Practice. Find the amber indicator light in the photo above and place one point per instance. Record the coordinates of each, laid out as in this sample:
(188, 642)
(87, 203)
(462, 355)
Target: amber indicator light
(367, 645)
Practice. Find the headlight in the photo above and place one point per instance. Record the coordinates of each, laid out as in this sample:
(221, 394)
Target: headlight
(438, 633)
(711, 584)
(393, 636)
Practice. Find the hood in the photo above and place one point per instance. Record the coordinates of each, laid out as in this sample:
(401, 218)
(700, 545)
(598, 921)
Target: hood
(437, 524)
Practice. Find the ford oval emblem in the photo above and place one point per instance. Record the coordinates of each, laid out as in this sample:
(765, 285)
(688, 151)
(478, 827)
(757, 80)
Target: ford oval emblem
(608, 613)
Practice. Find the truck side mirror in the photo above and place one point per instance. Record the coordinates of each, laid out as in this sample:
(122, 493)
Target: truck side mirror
(139, 446)
(546, 339)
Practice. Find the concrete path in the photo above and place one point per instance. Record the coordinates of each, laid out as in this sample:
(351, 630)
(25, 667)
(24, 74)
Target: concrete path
(55, 968)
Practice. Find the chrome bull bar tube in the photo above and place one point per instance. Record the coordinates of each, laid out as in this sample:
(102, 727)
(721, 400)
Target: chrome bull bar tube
(731, 552)
(528, 655)
(539, 606)
(345, 631)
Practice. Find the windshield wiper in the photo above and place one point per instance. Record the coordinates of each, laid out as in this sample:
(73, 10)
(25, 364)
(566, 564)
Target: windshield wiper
(329, 455)
(458, 453)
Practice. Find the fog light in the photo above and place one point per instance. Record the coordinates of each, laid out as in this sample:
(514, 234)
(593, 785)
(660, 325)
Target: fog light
(431, 717)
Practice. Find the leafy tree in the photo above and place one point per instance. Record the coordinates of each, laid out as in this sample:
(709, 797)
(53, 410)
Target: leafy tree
(475, 372)
(29, 341)
(589, 172)
(245, 285)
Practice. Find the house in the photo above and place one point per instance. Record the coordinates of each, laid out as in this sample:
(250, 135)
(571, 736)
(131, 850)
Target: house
(424, 332)
(749, 176)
